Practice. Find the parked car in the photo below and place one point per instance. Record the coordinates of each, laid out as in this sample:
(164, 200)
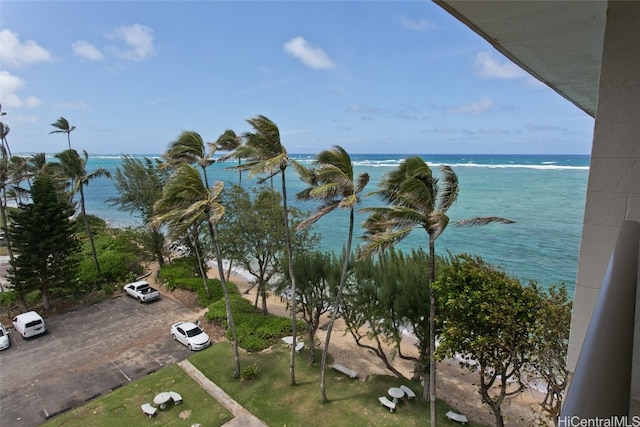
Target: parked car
(141, 291)
(5, 342)
(29, 324)
(191, 335)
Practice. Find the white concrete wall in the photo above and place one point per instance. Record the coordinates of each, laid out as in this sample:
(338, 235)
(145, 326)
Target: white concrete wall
(613, 192)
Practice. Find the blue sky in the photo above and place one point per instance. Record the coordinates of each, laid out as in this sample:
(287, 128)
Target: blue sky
(373, 77)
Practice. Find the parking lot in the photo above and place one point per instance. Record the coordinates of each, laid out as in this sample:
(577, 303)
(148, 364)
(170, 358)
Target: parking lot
(85, 353)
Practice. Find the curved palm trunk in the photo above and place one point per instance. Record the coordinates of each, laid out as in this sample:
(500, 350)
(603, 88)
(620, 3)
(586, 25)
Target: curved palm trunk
(294, 308)
(213, 230)
(336, 308)
(432, 333)
(86, 225)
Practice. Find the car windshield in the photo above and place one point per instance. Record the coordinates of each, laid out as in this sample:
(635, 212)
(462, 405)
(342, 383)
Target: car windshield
(193, 332)
(1, 333)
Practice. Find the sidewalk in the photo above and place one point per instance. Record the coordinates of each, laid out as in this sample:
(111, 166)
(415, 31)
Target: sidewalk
(241, 417)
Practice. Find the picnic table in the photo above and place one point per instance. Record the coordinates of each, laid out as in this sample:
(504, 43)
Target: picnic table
(396, 393)
(162, 399)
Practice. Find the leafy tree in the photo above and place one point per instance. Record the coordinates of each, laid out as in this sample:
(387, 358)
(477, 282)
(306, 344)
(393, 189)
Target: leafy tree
(139, 183)
(318, 275)
(185, 201)
(385, 297)
(416, 198)
(265, 153)
(62, 126)
(551, 340)
(74, 168)
(332, 181)
(489, 319)
(43, 238)
(254, 235)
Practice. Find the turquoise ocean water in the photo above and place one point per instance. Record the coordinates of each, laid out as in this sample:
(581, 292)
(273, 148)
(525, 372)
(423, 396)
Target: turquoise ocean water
(543, 194)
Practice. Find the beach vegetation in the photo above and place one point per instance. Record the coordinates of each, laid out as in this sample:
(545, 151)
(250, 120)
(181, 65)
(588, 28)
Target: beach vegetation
(384, 300)
(139, 183)
(62, 125)
(489, 322)
(43, 236)
(551, 342)
(186, 203)
(318, 276)
(229, 141)
(332, 181)
(73, 168)
(252, 235)
(415, 198)
(265, 154)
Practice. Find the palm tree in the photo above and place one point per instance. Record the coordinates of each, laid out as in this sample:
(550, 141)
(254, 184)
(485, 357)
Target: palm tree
(264, 153)
(332, 181)
(185, 202)
(229, 141)
(62, 126)
(74, 168)
(190, 148)
(415, 198)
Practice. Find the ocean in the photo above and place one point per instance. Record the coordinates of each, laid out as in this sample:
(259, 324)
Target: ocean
(543, 194)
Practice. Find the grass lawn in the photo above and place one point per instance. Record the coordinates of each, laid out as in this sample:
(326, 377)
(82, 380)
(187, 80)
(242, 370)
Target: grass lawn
(351, 402)
(122, 406)
(269, 396)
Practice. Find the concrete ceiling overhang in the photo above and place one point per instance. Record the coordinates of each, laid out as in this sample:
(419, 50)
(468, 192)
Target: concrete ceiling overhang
(558, 42)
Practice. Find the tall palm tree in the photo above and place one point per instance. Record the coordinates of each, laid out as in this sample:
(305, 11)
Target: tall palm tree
(190, 148)
(74, 168)
(185, 201)
(264, 153)
(62, 126)
(229, 141)
(332, 181)
(415, 198)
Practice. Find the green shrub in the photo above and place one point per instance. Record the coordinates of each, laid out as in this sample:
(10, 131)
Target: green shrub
(255, 330)
(249, 373)
(180, 269)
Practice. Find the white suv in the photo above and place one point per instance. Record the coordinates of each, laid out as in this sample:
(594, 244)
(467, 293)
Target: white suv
(29, 324)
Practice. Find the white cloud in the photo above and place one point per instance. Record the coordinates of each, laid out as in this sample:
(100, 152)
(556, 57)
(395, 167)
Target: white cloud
(313, 57)
(10, 85)
(87, 51)
(16, 54)
(137, 40)
(419, 25)
(483, 104)
(488, 67)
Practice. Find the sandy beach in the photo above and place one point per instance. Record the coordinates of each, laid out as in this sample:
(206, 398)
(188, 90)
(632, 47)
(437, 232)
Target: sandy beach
(455, 385)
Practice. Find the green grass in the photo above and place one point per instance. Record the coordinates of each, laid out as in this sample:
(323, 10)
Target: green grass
(351, 403)
(122, 406)
(269, 396)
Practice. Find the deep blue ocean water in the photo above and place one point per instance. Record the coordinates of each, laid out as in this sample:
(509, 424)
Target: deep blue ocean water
(543, 194)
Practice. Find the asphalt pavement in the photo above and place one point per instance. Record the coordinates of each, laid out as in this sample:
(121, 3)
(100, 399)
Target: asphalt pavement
(86, 352)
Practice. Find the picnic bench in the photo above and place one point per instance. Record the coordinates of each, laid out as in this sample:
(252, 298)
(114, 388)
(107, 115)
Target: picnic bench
(457, 417)
(299, 346)
(386, 402)
(348, 372)
(177, 399)
(410, 394)
(148, 409)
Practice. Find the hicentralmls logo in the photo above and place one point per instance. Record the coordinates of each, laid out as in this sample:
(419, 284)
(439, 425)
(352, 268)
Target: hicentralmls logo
(576, 421)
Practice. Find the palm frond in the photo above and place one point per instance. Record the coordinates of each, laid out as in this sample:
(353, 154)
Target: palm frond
(450, 188)
(472, 222)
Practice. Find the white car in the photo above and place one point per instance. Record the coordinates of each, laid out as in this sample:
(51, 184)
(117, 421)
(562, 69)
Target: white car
(191, 335)
(4, 338)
